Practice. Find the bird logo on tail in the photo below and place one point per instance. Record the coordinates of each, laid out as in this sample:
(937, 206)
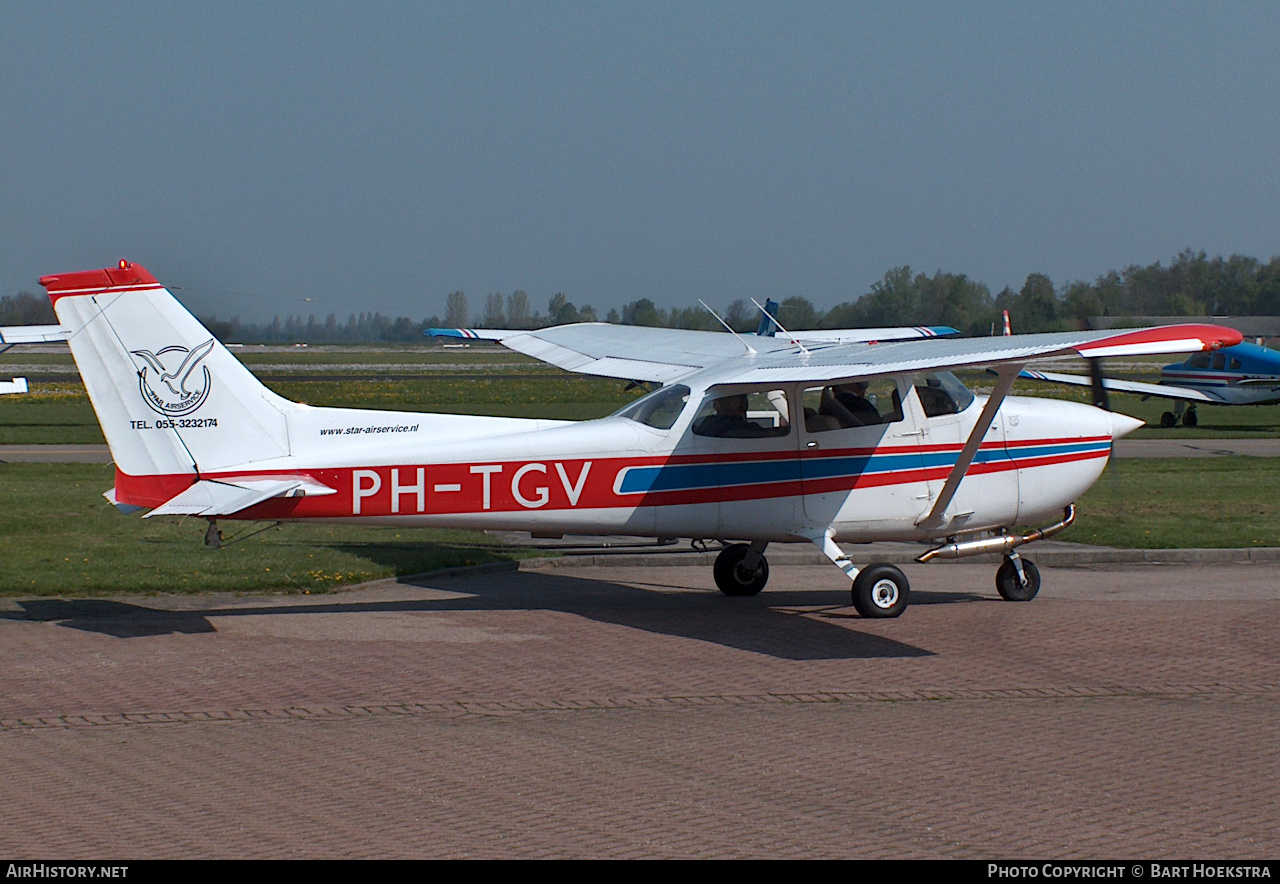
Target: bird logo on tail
(177, 390)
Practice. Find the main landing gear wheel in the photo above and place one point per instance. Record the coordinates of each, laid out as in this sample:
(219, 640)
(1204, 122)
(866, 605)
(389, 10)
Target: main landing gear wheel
(1011, 589)
(1168, 420)
(732, 578)
(881, 591)
(1189, 419)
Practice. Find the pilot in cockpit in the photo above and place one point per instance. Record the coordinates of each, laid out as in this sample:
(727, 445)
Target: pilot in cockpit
(729, 420)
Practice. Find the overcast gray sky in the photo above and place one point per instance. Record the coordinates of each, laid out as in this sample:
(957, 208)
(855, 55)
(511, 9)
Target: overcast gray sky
(379, 156)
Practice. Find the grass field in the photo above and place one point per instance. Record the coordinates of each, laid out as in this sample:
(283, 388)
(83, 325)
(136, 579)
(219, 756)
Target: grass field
(1173, 503)
(58, 536)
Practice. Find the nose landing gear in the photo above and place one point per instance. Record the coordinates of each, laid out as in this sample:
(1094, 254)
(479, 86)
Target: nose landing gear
(1018, 579)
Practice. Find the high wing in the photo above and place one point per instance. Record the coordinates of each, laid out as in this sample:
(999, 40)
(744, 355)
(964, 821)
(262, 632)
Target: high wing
(631, 352)
(870, 360)
(666, 355)
(1162, 391)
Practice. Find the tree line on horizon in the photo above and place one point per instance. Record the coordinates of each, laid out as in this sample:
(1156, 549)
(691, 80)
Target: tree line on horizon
(1192, 285)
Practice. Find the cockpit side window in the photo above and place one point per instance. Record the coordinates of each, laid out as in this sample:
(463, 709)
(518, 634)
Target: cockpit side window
(755, 415)
(855, 403)
(941, 393)
(660, 409)
(1219, 361)
(1200, 360)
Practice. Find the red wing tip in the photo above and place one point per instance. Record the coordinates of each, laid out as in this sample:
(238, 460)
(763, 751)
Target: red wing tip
(1212, 337)
(123, 274)
(1218, 336)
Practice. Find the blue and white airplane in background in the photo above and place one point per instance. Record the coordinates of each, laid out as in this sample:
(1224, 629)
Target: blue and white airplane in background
(1246, 374)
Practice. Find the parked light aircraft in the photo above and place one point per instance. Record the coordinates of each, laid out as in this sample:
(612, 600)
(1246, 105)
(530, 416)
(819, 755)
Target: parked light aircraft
(1245, 374)
(754, 440)
(12, 335)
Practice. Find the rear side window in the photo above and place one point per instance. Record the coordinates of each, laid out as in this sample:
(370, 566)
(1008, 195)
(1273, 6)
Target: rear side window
(852, 404)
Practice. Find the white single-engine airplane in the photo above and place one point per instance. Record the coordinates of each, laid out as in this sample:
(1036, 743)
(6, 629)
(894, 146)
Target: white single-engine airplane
(756, 440)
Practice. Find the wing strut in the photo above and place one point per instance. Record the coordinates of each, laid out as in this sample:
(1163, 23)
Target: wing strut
(1005, 376)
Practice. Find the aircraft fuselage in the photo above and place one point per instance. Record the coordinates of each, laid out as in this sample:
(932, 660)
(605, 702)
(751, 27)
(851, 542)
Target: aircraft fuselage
(617, 475)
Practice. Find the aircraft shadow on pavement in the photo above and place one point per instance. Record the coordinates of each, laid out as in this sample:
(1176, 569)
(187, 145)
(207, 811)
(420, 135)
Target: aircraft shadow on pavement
(794, 625)
(108, 617)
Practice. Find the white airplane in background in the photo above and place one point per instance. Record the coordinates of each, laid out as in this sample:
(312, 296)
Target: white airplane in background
(12, 335)
(754, 440)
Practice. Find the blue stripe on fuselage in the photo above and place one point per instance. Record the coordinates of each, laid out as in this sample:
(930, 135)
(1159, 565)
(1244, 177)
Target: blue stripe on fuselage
(686, 477)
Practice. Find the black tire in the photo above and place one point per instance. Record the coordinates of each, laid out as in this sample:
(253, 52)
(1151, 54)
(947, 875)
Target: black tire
(1189, 419)
(1008, 585)
(881, 591)
(1168, 420)
(731, 579)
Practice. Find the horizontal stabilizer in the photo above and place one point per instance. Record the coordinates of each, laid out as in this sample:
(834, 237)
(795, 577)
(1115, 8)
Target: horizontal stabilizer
(216, 498)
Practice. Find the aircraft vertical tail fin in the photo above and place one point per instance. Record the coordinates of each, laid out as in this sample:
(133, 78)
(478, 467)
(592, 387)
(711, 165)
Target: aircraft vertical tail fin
(171, 399)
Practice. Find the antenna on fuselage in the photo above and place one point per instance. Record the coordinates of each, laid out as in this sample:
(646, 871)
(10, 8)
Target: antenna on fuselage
(740, 338)
(774, 320)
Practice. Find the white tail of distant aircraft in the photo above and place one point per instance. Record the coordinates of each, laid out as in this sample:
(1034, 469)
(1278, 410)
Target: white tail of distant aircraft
(12, 335)
(776, 441)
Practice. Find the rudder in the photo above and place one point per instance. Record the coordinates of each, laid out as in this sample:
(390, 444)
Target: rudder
(170, 397)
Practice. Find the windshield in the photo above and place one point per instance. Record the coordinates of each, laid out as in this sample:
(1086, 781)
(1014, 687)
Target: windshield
(659, 409)
(941, 392)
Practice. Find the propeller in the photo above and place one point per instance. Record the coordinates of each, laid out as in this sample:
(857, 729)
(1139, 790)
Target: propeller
(1101, 398)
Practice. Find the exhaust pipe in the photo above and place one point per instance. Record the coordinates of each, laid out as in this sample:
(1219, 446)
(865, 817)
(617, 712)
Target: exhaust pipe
(1005, 543)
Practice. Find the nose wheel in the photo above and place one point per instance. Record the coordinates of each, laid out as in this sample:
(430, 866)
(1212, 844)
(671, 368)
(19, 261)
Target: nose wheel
(1018, 579)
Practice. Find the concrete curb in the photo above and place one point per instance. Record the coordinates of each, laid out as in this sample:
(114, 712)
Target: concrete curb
(907, 554)
(1051, 555)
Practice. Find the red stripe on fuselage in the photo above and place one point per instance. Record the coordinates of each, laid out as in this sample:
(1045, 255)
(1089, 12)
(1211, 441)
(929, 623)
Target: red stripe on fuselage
(546, 486)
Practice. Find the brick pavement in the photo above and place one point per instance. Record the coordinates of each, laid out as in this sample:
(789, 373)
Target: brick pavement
(606, 712)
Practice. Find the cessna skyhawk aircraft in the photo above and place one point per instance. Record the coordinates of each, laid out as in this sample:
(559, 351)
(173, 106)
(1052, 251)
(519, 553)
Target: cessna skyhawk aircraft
(754, 439)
